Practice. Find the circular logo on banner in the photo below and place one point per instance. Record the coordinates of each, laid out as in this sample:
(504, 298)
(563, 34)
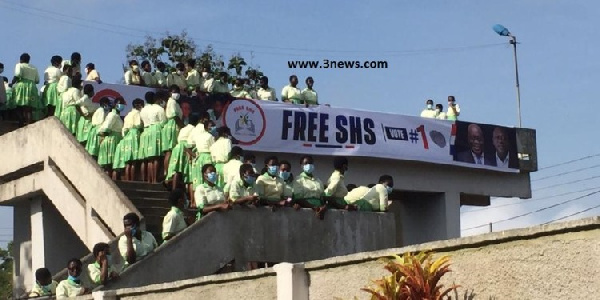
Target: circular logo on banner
(247, 121)
(112, 94)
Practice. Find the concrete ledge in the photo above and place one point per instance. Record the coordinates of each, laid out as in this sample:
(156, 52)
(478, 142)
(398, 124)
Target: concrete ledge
(463, 243)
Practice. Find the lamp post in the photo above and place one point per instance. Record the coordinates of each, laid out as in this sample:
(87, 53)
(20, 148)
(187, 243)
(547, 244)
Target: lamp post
(503, 31)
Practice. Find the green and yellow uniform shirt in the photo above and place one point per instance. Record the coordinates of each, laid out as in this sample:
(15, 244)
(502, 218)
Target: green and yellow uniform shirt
(310, 96)
(68, 289)
(40, 291)
(237, 190)
(336, 187)
(141, 248)
(95, 271)
(269, 188)
(173, 222)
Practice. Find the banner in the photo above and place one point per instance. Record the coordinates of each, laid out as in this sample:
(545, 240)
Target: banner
(322, 130)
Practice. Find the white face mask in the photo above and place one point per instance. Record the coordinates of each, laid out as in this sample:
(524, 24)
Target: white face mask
(135, 68)
(437, 110)
(175, 96)
(204, 75)
(179, 72)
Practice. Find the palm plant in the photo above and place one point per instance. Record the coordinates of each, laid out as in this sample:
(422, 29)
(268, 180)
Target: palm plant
(413, 277)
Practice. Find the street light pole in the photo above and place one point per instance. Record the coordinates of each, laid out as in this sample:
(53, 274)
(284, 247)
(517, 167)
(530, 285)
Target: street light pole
(513, 41)
(503, 31)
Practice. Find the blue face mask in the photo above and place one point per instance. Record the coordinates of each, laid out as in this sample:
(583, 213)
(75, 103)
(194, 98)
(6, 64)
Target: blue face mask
(120, 107)
(133, 230)
(272, 170)
(211, 177)
(308, 168)
(250, 180)
(213, 131)
(429, 106)
(388, 189)
(186, 205)
(109, 258)
(73, 278)
(285, 175)
(106, 109)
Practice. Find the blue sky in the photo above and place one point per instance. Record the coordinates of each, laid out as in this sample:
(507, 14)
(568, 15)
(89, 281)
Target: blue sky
(433, 48)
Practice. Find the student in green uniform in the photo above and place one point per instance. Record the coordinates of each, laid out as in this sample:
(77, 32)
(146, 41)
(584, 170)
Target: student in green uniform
(174, 221)
(373, 198)
(70, 99)
(64, 83)
(219, 151)
(102, 270)
(153, 116)
(44, 285)
(52, 75)
(179, 172)
(85, 109)
(199, 143)
(231, 169)
(336, 187)
(269, 186)
(241, 188)
(308, 189)
(72, 286)
(92, 146)
(171, 128)
(25, 92)
(209, 197)
(238, 91)
(127, 153)
(135, 243)
(285, 173)
(110, 135)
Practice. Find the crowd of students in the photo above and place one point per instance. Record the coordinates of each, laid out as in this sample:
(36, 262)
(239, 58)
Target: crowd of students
(22, 99)
(195, 158)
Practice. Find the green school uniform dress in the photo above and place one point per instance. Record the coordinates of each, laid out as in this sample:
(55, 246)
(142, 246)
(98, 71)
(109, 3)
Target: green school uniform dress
(84, 124)
(129, 147)
(64, 83)
(170, 130)
(179, 162)
(112, 127)
(51, 96)
(92, 146)
(153, 117)
(25, 92)
(69, 115)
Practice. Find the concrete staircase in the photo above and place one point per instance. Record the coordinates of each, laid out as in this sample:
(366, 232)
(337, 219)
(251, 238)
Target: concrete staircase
(152, 201)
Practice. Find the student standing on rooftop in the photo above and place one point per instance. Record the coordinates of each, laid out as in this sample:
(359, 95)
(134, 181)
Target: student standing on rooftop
(428, 112)
(264, 91)
(453, 109)
(291, 93)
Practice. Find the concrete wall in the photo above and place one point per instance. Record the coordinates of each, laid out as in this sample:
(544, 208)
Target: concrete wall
(258, 234)
(555, 261)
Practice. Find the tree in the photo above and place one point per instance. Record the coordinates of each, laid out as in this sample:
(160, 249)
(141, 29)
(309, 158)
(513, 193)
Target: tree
(6, 272)
(178, 48)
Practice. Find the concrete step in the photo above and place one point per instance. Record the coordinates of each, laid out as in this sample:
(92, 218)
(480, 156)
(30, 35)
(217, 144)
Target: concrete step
(140, 186)
(150, 195)
(142, 203)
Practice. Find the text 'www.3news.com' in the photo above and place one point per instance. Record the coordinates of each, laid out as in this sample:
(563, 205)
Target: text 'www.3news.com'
(337, 64)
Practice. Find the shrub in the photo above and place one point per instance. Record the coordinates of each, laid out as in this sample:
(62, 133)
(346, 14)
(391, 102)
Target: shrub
(413, 277)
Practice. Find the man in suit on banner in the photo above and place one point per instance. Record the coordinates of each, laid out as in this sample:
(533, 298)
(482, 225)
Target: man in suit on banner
(475, 155)
(503, 158)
